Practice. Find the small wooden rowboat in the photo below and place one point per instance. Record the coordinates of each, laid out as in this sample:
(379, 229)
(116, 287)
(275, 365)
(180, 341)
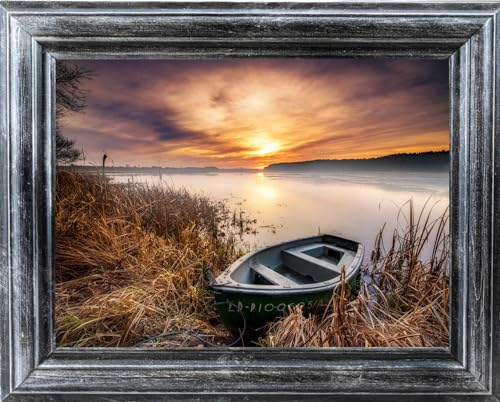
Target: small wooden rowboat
(261, 285)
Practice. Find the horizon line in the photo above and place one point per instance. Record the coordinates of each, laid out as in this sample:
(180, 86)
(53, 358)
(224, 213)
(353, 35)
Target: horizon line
(251, 168)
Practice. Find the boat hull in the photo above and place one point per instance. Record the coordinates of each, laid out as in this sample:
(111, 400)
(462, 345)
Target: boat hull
(262, 286)
(247, 313)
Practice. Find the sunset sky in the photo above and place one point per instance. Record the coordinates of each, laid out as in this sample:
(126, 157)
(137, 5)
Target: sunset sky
(254, 112)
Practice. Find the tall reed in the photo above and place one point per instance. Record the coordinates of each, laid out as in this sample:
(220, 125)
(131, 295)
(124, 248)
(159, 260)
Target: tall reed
(129, 271)
(403, 300)
(130, 259)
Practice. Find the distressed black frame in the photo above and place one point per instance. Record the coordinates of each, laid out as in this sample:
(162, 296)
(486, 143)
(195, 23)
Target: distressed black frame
(35, 34)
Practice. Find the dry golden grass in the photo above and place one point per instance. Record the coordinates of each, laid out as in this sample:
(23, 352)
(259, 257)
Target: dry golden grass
(129, 263)
(402, 302)
(129, 271)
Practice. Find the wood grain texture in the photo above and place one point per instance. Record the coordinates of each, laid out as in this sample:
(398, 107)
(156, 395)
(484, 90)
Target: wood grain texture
(250, 396)
(21, 205)
(459, 173)
(34, 34)
(130, 50)
(4, 210)
(283, 9)
(353, 27)
(44, 197)
(480, 197)
(271, 371)
(495, 255)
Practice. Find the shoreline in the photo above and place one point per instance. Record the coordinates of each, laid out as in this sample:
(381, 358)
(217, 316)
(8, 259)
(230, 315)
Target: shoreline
(123, 255)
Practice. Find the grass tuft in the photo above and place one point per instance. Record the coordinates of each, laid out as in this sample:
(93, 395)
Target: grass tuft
(402, 301)
(129, 271)
(130, 262)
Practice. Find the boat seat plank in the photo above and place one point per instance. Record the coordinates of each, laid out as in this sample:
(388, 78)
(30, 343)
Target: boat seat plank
(305, 264)
(272, 276)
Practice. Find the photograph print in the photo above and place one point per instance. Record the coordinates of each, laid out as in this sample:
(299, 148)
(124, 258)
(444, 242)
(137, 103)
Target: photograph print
(252, 202)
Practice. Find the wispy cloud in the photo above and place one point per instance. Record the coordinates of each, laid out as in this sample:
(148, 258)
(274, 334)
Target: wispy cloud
(253, 112)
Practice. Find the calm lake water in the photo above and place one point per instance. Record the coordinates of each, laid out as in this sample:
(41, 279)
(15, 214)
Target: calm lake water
(292, 205)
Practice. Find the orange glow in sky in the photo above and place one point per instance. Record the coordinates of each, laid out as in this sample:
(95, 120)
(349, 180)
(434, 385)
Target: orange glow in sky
(254, 112)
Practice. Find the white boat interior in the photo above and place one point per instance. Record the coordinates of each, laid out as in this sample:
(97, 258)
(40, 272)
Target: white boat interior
(289, 267)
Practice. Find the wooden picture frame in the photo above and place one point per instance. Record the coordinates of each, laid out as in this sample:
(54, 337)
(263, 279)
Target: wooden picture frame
(34, 34)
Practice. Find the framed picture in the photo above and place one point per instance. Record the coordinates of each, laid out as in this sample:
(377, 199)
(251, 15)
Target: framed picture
(268, 175)
(319, 53)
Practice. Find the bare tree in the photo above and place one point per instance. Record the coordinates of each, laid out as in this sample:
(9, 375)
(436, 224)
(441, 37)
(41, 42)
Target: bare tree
(70, 98)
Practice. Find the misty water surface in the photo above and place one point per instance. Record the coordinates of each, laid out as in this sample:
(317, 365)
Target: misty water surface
(288, 206)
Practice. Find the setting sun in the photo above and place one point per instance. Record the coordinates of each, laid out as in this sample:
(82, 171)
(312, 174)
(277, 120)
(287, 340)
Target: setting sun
(266, 149)
(179, 167)
(263, 145)
(254, 113)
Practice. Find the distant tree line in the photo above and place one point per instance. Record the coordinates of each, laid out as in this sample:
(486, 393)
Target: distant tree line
(424, 161)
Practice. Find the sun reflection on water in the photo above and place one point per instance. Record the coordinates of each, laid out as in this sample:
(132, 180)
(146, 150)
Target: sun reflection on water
(289, 206)
(265, 191)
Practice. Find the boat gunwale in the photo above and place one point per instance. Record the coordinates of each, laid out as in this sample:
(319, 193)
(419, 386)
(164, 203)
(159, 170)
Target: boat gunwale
(233, 286)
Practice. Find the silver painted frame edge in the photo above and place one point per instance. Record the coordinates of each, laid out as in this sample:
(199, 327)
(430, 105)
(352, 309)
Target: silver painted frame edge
(35, 34)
